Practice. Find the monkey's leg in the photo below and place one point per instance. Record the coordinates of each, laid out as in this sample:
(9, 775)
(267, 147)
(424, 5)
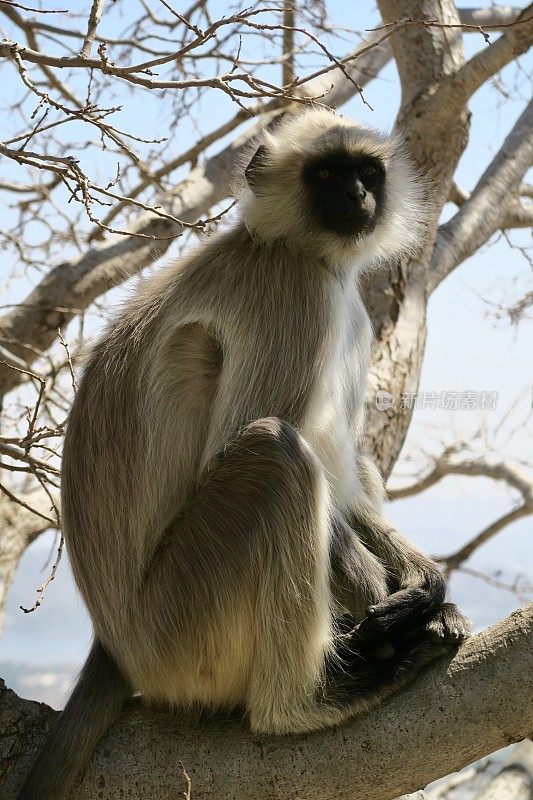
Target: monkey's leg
(254, 543)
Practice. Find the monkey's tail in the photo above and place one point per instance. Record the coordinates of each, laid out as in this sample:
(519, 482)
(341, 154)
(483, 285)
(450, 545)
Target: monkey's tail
(94, 704)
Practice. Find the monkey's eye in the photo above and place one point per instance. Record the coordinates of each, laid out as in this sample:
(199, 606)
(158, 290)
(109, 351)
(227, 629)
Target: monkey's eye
(324, 174)
(368, 171)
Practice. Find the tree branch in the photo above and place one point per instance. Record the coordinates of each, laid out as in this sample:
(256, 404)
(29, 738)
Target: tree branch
(70, 287)
(449, 704)
(488, 206)
(477, 467)
(518, 216)
(92, 24)
(455, 560)
(439, 49)
(465, 81)
(515, 780)
(19, 528)
(494, 15)
(288, 44)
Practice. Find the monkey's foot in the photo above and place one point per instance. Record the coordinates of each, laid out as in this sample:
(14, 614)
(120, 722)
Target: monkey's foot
(370, 673)
(448, 625)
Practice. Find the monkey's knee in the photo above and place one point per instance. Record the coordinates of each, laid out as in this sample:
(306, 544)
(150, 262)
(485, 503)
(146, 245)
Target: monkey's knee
(278, 447)
(277, 437)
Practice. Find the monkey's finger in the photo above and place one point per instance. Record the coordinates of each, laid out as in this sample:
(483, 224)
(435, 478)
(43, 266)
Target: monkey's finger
(414, 598)
(415, 633)
(449, 625)
(371, 631)
(392, 625)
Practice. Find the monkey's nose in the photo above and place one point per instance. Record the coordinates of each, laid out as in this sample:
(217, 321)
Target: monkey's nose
(357, 193)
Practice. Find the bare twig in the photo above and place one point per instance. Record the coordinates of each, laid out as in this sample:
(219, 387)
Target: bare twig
(69, 360)
(19, 501)
(42, 589)
(92, 24)
(455, 560)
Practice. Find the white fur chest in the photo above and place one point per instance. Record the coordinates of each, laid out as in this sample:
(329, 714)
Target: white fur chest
(334, 422)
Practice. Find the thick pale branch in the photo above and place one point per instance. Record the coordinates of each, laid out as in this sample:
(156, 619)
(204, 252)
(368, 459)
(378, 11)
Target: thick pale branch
(515, 779)
(439, 50)
(459, 710)
(486, 209)
(516, 40)
(518, 215)
(494, 15)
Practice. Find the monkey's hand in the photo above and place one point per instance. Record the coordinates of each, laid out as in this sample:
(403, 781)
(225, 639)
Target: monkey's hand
(409, 612)
(417, 590)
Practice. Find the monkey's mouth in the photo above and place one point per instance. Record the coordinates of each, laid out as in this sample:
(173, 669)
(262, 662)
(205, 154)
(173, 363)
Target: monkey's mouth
(354, 224)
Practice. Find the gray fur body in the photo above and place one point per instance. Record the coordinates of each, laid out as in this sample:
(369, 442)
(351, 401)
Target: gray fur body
(244, 366)
(218, 511)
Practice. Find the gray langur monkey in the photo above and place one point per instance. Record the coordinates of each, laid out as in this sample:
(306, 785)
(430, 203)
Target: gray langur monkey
(223, 525)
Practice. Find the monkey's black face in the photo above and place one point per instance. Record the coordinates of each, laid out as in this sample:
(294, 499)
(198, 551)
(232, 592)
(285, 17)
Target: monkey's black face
(346, 191)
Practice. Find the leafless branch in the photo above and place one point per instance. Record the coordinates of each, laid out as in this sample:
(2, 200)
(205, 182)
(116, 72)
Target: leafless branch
(94, 19)
(288, 45)
(518, 216)
(516, 40)
(488, 206)
(494, 664)
(42, 589)
(455, 560)
(452, 461)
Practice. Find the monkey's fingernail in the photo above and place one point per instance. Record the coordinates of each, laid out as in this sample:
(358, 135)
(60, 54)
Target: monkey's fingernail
(371, 610)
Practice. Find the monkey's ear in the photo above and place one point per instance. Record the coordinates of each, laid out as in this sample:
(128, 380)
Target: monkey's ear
(255, 168)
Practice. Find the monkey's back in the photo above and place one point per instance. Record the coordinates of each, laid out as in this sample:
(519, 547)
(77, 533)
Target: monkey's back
(134, 439)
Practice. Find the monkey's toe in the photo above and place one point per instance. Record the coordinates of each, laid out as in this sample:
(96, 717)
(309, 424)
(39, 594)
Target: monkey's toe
(448, 625)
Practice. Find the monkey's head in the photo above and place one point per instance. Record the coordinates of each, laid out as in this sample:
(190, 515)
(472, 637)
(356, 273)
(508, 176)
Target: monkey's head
(324, 183)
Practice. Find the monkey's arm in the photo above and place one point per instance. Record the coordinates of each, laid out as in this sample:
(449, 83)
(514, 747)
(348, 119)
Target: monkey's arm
(417, 585)
(252, 387)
